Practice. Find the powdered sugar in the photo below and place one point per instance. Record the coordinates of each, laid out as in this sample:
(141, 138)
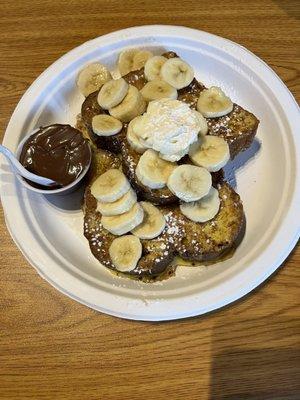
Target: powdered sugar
(223, 125)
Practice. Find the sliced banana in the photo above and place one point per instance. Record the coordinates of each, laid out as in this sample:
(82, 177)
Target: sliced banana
(132, 106)
(125, 252)
(140, 59)
(110, 186)
(125, 62)
(213, 103)
(152, 171)
(204, 209)
(123, 223)
(153, 223)
(177, 73)
(120, 206)
(158, 89)
(210, 152)
(133, 135)
(92, 77)
(106, 125)
(112, 93)
(153, 67)
(189, 183)
(202, 122)
(142, 107)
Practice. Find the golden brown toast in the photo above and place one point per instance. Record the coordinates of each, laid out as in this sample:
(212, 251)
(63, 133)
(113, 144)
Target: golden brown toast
(209, 240)
(157, 254)
(190, 240)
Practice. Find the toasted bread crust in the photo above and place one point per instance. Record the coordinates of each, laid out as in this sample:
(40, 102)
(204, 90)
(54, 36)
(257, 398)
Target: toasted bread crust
(136, 78)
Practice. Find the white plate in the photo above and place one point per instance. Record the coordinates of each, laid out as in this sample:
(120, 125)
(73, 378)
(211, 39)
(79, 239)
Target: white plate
(49, 231)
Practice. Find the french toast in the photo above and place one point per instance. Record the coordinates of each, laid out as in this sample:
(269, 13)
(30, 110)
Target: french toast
(209, 240)
(238, 127)
(184, 234)
(181, 236)
(158, 253)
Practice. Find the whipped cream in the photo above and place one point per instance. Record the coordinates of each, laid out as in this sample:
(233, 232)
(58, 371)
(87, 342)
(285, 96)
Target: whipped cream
(169, 127)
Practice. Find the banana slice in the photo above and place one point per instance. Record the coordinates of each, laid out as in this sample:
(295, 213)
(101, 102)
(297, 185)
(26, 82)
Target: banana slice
(153, 67)
(133, 135)
(140, 59)
(92, 77)
(213, 103)
(123, 223)
(125, 62)
(132, 106)
(177, 73)
(106, 125)
(189, 183)
(112, 93)
(152, 171)
(202, 122)
(158, 89)
(210, 152)
(125, 252)
(153, 223)
(110, 186)
(202, 210)
(124, 204)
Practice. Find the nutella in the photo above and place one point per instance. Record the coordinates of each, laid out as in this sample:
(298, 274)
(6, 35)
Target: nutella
(58, 152)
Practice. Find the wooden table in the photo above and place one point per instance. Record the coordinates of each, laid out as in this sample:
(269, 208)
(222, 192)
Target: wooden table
(54, 348)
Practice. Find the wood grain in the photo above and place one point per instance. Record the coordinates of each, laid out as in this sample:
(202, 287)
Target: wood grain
(52, 347)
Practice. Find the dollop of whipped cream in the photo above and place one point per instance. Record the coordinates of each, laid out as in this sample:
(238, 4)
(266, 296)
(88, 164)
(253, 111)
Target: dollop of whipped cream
(169, 127)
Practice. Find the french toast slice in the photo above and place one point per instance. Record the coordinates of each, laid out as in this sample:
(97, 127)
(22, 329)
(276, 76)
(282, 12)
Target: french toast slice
(157, 253)
(238, 127)
(190, 240)
(210, 240)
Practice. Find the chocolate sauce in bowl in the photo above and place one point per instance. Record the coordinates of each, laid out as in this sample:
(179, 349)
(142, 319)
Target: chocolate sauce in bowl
(58, 152)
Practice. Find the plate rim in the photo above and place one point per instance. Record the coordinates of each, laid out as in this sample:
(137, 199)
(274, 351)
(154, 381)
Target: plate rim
(127, 33)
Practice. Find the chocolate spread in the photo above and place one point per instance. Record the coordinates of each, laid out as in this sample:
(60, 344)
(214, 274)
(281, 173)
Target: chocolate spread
(58, 152)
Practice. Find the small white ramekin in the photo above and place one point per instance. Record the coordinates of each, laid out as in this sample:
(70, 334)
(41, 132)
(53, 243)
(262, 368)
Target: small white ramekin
(61, 191)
